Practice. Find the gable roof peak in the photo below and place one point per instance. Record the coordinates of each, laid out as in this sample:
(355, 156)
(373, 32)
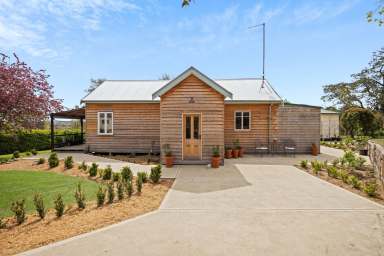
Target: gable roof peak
(192, 71)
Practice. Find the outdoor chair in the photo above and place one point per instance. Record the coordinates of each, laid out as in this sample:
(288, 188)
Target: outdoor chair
(262, 148)
(289, 147)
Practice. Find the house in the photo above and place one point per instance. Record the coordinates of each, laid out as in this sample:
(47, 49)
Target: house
(193, 113)
(330, 124)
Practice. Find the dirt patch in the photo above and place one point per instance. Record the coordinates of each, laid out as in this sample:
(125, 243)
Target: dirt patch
(34, 232)
(136, 159)
(379, 198)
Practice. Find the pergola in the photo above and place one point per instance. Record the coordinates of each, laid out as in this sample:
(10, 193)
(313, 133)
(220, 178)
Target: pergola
(78, 113)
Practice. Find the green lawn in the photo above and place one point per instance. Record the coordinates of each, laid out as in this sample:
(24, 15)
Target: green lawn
(15, 185)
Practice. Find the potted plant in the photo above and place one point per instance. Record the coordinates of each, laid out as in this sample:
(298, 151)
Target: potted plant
(215, 161)
(236, 149)
(240, 148)
(168, 155)
(228, 152)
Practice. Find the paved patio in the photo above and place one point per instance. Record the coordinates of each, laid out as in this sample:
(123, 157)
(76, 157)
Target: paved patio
(243, 208)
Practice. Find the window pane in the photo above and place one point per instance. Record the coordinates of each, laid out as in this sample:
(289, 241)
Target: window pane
(246, 114)
(246, 121)
(188, 127)
(238, 122)
(109, 122)
(196, 127)
(101, 123)
(238, 114)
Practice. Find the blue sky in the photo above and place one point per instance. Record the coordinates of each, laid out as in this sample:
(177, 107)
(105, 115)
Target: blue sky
(309, 43)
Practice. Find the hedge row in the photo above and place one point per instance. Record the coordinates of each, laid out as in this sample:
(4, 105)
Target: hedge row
(26, 141)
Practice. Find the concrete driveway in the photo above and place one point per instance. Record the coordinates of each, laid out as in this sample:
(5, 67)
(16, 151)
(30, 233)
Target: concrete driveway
(242, 209)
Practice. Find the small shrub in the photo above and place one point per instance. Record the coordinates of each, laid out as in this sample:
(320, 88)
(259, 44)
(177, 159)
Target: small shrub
(120, 190)
(126, 174)
(83, 166)
(144, 176)
(360, 161)
(16, 154)
(139, 184)
(80, 196)
(3, 224)
(107, 173)
(304, 164)
(93, 170)
(100, 195)
(18, 208)
(128, 188)
(355, 182)
(53, 160)
(34, 151)
(316, 166)
(59, 205)
(370, 188)
(111, 193)
(335, 162)
(39, 205)
(344, 176)
(116, 176)
(68, 162)
(350, 158)
(332, 172)
(155, 174)
(41, 160)
(28, 153)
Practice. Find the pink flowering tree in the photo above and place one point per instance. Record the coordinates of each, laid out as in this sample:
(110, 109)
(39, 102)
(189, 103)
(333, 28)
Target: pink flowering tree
(26, 97)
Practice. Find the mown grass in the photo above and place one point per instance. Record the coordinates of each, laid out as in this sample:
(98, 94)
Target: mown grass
(17, 185)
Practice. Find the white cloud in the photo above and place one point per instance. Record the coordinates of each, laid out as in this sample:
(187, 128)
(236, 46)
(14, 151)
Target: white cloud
(29, 25)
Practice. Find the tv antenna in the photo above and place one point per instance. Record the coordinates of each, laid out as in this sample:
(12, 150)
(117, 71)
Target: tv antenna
(253, 27)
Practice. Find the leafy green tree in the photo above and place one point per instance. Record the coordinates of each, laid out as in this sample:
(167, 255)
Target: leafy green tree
(356, 121)
(377, 16)
(365, 91)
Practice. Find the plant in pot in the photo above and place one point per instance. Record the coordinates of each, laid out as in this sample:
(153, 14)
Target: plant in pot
(215, 161)
(236, 149)
(168, 155)
(228, 152)
(239, 147)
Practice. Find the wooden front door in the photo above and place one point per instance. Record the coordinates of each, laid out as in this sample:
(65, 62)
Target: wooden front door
(192, 136)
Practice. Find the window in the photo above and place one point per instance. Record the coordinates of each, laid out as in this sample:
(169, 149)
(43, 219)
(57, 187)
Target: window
(105, 123)
(242, 120)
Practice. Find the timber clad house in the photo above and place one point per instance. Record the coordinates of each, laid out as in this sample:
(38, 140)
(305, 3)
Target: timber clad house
(192, 114)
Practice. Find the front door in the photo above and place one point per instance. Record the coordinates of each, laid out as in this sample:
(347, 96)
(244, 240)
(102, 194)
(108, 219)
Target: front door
(192, 136)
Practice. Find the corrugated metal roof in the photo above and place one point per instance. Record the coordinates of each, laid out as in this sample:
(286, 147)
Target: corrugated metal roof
(249, 89)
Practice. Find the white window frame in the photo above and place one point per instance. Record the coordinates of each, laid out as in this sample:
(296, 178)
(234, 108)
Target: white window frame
(105, 123)
(242, 120)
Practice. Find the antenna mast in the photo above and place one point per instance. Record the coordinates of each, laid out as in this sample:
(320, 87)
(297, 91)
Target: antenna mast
(255, 26)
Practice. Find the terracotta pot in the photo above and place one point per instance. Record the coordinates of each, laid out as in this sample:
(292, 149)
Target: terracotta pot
(315, 151)
(228, 153)
(215, 162)
(235, 153)
(169, 161)
(241, 152)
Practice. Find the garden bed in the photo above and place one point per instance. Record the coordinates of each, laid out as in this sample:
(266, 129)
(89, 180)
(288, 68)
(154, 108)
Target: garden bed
(36, 232)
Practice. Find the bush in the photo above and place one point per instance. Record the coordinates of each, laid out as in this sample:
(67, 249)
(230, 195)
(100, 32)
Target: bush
(83, 166)
(34, 151)
(344, 176)
(80, 196)
(59, 205)
(18, 208)
(39, 205)
(355, 182)
(143, 175)
(116, 176)
(126, 174)
(120, 190)
(316, 167)
(370, 188)
(129, 188)
(28, 153)
(304, 164)
(16, 154)
(332, 172)
(107, 173)
(41, 161)
(68, 162)
(100, 196)
(360, 161)
(155, 174)
(350, 158)
(53, 160)
(93, 170)
(335, 162)
(111, 193)
(139, 184)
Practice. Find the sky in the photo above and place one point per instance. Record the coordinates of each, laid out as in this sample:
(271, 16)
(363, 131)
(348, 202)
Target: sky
(308, 43)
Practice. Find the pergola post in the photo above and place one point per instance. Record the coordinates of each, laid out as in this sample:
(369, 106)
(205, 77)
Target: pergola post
(81, 130)
(52, 132)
